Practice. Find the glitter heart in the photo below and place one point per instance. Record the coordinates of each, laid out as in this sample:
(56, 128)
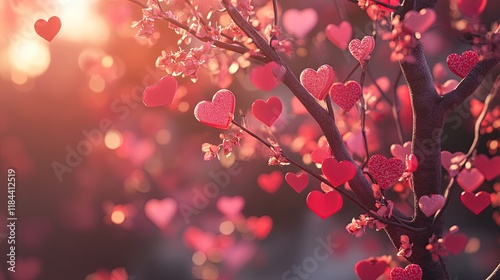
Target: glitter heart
(429, 205)
(385, 171)
(361, 50)
(297, 182)
(270, 182)
(317, 83)
(219, 112)
(399, 151)
(267, 77)
(230, 206)
(336, 172)
(370, 269)
(476, 203)
(48, 29)
(470, 179)
(340, 34)
(420, 21)
(162, 94)
(267, 111)
(324, 204)
(160, 212)
(461, 65)
(345, 95)
(490, 168)
(299, 23)
(410, 272)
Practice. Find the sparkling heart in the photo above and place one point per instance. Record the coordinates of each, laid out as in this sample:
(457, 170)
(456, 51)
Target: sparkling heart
(429, 205)
(324, 204)
(361, 50)
(420, 21)
(455, 243)
(162, 94)
(267, 111)
(385, 171)
(219, 112)
(230, 206)
(160, 212)
(410, 272)
(461, 65)
(299, 23)
(339, 35)
(476, 203)
(260, 227)
(345, 95)
(399, 151)
(336, 172)
(48, 29)
(447, 159)
(267, 77)
(370, 269)
(297, 182)
(471, 8)
(470, 179)
(490, 168)
(317, 83)
(270, 182)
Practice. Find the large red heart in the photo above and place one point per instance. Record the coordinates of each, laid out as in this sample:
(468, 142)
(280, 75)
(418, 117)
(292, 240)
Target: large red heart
(471, 8)
(267, 77)
(420, 21)
(410, 272)
(361, 50)
(400, 152)
(297, 182)
(345, 95)
(260, 227)
(370, 269)
(476, 203)
(455, 243)
(48, 29)
(385, 171)
(470, 179)
(267, 111)
(230, 206)
(339, 35)
(338, 172)
(490, 168)
(160, 212)
(431, 204)
(219, 112)
(270, 182)
(162, 94)
(324, 204)
(317, 83)
(461, 65)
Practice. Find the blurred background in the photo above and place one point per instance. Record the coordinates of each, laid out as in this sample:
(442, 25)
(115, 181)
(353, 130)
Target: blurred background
(89, 155)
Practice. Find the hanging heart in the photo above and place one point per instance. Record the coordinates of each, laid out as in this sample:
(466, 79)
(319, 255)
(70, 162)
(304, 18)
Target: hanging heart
(219, 112)
(455, 243)
(267, 111)
(490, 168)
(476, 203)
(299, 23)
(162, 94)
(297, 182)
(160, 212)
(410, 272)
(270, 182)
(470, 179)
(361, 50)
(230, 206)
(319, 154)
(336, 172)
(317, 83)
(399, 151)
(339, 35)
(448, 159)
(345, 95)
(461, 65)
(385, 171)
(48, 29)
(429, 205)
(324, 204)
(420, 21)
(267, 77)
(370, 269)
(260, 227)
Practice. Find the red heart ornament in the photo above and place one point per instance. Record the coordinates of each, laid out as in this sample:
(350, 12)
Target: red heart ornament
(429, 205)
(339, 35)
(370, 269)
(48, 29)
(470, 179)
(471, 8)
(297, 182)
(336, 172)
(230, 206)
(420, 21)
(319, 154)
(399, 151)
(160, 212)
(267, 111)
(455, 243)
(317, 83)
(490, 168)
(345, 95)
(267, 77)
(324, 204)
(219, 112)
(361, 50)
(299, 23)
(162, 94)
(270, 182)
(385, 171)
(410, 272)
(260, 227)
(476, 203)
(461, 65)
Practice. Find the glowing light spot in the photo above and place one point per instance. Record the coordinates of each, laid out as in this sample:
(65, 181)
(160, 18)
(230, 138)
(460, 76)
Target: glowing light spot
(183, 107)
(163, 136)
(81, 23)
(226, 227)
(199, 258)
(215, 255)
(306, 159)
(473, 245)
(113, 139)
(30, 57)
(18, 78)
(97, 84)
(302, 52)
(107, 61)
(493, 145)
(210, 272)
(233, 68)
(118, 217)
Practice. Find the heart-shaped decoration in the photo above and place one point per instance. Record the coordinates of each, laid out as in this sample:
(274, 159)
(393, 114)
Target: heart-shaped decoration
(317, 83)
(162, 94)
(345, 95)
(297, 182)
(260, 227)
(48, 29)
(267, 111)
(160, 212)
(267, 77)
(219, 112)
(324, 204)
(336, 172)
(370, 269)
(455, 243)
(490, 168)
(230, 206)
(429, 205)
(476, 203)
(270, 182)
(339, 35)
(471, 8)
(461, 65)
(470, 179)
(410, 272)
(299, 23)
(420, 21)
(385, 171)
(447, 87)
(198, 240)
(361, 50)
(399, 151)
(447, 159)
(321, 153)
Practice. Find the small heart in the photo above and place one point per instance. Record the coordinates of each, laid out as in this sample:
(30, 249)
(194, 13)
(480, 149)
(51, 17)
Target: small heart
(339, 35)
(160, 212)
(399, 151)
(476, 203)
(336, 172)
(219, 112)
(420, 21)
(470, 179)
(297, 182)
(324, 204)
(429, 205)
(345, 95)
(230, 206)
(317, 83)
(198, 240)
(471, 8)
(162, 94)
(260, 227)
(370, 269)
(267, 111)
(447, 159)
(461, 65)
(299, 23)
(490, 168)
(321, 153)
(455, 243)
(385, 171)
(48, 29)
(410, 272)
(447, 87)
(361, 50)
(267, 77)
(270, 182)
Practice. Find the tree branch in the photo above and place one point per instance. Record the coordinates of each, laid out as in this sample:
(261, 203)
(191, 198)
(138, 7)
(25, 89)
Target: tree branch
(495, 275)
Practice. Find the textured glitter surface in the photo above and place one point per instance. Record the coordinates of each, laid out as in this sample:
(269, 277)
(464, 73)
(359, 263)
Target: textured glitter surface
(385, 171)
(461, 65)
(217, 113)
(361, 50)
(345, 95)
(317, 83)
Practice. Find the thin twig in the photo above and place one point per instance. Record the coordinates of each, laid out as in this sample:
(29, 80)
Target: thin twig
(351, 73)
(363, 120)
(329, 105)
(396, 108)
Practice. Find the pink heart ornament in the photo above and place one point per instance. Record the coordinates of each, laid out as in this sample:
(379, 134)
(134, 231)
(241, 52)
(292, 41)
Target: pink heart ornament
(324, 204)
(345, 95)
(317, 83)
(270, 182)
(160, 212)
(429, 205)
(230, 206)
(448, 159)
(219, 112)
(361, 50)
(420, 21)
(336, 172)
(490, 168)
(400, 152)
(461, 65)
(267, 111)
(297, 182)
(470, 179)
(339, 35)
(476, 203)
(162, 94)
(385, 171)
(299, 23)
(267, 77)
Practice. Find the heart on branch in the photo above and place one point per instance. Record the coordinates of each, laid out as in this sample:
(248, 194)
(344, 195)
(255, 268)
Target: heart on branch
(160, 212)
(490, 168)
(345, 95)
(299, 23)
(370, 269)
(260, 227)
(420, 21)
(429, 205)
(48, 29)
(324, 204)
(268, 76)
(455, 243)
(270, 182)
(461, 65)
(470, 179)
(317, 83)
(476, 203)
(321, 153)
(361, 50)
(410, 272)
(162, 94)
(297, 182)
(218, 113)
(399, 151)
(267, 111)
(336, 172)
(230, 206)
(385, 171)
(339, 35)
